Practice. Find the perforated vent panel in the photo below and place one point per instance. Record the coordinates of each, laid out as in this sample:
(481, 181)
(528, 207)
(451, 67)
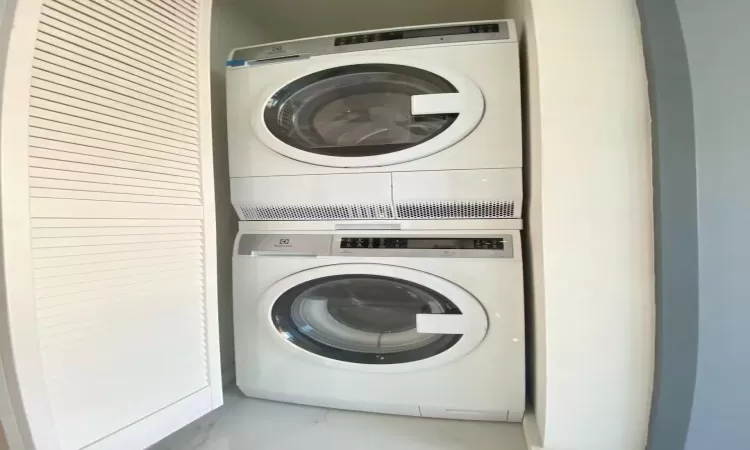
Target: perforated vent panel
(456, 210)
(317, 212)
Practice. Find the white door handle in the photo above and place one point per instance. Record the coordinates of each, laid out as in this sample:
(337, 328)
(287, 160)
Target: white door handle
(437, 104)
(443, 324)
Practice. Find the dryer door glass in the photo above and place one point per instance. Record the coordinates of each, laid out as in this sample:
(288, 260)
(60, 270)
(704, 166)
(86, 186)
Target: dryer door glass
(357, 110)
(364, 319)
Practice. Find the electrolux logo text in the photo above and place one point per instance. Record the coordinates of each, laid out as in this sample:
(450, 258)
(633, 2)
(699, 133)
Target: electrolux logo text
(284, 243)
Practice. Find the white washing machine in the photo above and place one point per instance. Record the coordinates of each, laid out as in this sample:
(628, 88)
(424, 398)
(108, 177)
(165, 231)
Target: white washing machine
(427, 323)
(416, 109)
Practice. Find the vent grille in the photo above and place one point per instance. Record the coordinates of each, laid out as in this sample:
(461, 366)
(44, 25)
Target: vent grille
(493, 209)
(317, 212)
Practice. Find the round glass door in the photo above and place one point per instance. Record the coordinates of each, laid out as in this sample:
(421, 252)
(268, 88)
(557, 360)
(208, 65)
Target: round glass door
(357, 110)
(366, 319)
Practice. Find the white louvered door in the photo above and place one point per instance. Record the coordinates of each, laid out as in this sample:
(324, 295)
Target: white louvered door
(108, 221)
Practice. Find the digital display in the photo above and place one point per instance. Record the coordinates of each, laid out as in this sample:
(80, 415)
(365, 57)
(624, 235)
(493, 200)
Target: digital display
(428, 32)
(434, 243)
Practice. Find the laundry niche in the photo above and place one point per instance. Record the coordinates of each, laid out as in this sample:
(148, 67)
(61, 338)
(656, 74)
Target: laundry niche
(118, 227)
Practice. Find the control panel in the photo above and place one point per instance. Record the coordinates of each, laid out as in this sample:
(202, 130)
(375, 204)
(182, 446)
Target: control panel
(280, 52)
(425, 247)
(422, 243)
(374, 246)
(417, 33)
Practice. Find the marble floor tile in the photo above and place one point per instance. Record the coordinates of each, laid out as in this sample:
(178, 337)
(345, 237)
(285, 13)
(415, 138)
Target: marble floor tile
(251, 424)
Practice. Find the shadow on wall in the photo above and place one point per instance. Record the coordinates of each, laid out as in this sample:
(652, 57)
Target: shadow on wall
(226, 223)
(675, 224)
(3, 442)
(531, 331)
(231, 27)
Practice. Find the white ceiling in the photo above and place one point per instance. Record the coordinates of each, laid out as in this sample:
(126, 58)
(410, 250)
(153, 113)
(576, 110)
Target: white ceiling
(290, 19)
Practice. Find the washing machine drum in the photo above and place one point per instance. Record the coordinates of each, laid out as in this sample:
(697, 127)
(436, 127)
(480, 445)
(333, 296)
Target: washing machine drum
(356, 110)
(363, 318)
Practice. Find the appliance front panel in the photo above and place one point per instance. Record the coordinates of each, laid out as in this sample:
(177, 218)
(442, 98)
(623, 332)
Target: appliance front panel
(365, 315)
(486, 132)
(442, 34)
(363, 244)
(366, 111)
(486, 377)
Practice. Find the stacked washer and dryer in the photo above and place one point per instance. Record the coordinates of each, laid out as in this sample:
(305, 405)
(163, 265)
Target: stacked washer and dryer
(378, 181)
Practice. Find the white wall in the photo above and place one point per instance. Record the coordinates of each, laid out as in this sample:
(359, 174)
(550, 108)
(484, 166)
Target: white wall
(6, 411)
(520, 11)
(291, 19)
(231, 27)
(590, 221)
(7, 415)
(13, 430)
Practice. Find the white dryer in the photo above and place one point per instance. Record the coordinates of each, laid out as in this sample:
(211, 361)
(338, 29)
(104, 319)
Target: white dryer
(427, 323)
(413, 108)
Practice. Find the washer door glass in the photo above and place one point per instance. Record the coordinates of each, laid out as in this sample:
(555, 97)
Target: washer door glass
(357, 110)
(365, 319)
